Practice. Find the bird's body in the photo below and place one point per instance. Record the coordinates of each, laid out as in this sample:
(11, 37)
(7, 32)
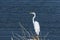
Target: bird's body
(36, 24)
(37, 27)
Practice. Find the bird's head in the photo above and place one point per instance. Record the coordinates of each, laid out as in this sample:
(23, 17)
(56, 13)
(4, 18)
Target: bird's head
(32, 13)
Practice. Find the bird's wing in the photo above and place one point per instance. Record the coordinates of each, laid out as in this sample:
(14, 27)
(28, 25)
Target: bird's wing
(37, 27)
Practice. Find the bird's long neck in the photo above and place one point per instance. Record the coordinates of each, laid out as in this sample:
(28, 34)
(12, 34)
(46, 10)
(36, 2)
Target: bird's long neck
(34, 17)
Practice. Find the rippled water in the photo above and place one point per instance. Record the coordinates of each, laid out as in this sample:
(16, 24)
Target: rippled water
(13, 12)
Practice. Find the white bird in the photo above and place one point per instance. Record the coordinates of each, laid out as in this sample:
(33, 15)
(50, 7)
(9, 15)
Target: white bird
(35, 23)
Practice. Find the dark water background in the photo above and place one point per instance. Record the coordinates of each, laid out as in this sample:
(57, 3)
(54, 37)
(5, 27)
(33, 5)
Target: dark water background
(14, 11)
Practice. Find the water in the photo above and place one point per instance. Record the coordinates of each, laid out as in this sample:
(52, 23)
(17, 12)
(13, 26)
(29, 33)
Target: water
(12, 12)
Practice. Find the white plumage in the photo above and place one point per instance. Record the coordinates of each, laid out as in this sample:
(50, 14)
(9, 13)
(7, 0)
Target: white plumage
(36, 24)
(37, 27)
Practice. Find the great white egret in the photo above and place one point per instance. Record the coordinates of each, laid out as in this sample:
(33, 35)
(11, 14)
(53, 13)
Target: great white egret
(35, 23)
